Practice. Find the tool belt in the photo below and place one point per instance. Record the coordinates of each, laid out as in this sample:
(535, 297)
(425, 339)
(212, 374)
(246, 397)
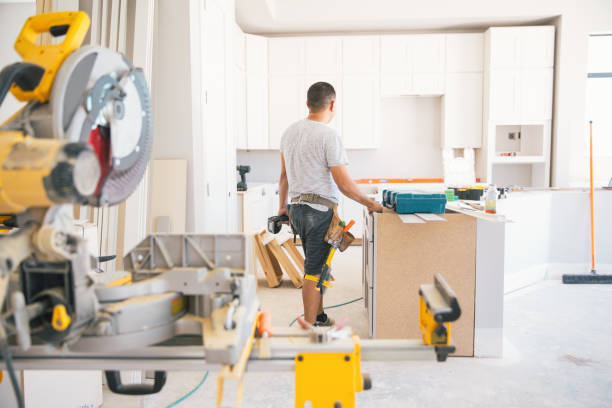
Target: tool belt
(336, 236)
(313, 198)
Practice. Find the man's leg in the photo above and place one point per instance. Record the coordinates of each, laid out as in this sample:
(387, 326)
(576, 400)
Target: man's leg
(316, 224)
(312, 300)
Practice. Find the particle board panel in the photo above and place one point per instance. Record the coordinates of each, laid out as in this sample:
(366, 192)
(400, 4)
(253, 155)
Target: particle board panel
(409, 255)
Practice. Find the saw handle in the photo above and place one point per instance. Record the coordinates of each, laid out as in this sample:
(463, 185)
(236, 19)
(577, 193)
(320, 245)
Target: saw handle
(72, 24)
(113, 380)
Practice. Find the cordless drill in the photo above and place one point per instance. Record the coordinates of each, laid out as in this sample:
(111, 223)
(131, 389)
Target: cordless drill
(243, 170)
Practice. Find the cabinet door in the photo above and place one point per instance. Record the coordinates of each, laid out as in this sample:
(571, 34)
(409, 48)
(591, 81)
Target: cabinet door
(215, 130)
(427, 83)
(427, 53)
(504, 47)
(239, 108)
(394, 54)
(395, 84)
(286, 56)
(360, 54)
(360, 111)
(287, 103)
(463, 110)
(536, 94)
(323, 55)
(464, 52)
(239, 44)
(504, 96)
(257, 111)
(537, 47)
(256, 54)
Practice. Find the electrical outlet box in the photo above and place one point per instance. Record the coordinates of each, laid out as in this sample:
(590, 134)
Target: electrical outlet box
(511, 135)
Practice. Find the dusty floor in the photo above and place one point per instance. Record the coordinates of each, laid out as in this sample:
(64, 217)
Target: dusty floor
(557, 353)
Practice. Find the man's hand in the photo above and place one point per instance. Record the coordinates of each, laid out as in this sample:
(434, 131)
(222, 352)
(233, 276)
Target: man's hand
(375, 207)
(283, 211)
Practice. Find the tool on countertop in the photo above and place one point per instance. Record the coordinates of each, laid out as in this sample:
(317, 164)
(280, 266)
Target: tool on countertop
(243, 170)
(276, 222)
(324, 280)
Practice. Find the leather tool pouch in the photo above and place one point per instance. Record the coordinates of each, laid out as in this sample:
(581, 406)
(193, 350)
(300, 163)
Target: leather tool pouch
(335, 235)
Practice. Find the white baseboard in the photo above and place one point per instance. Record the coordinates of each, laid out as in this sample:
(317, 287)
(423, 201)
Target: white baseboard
(548, 271)
(557, 270)
(525, 278)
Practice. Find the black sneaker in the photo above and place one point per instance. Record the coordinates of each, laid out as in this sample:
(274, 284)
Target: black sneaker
(324, 321)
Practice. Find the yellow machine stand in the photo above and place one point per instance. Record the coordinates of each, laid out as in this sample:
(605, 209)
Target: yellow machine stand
(329, 379)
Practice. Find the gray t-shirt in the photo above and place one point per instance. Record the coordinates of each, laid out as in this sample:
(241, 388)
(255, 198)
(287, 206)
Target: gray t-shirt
(310, 148)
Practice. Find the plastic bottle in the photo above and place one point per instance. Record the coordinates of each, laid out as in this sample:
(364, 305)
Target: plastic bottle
(491, 200)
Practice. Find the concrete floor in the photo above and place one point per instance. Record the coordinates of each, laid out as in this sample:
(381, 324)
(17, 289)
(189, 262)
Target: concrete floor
(557, 353)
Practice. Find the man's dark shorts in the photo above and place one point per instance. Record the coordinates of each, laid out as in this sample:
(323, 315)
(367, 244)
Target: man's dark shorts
(311, 225)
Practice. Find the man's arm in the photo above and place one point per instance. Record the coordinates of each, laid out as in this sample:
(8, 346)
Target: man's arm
(283, 188)
(348, 187)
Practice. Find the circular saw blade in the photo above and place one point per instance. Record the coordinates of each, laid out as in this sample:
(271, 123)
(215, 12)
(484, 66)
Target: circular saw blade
(99, 88)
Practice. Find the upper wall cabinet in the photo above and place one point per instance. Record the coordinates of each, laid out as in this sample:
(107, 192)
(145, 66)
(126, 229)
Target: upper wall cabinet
(412, 64)
(521, 47)
(464, 52)
(286, 56)
(360, 55)
(462, 101)
(257, 92)
(520, 74)
(323, 55)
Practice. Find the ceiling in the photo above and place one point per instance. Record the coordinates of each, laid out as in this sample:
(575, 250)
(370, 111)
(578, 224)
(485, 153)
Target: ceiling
(327, 16)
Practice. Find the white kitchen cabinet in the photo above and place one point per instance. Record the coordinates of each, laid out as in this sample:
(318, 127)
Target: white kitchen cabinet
(462, 111)
(518, 93)
(516, 47)
(537, 47)
(286, 105)
(464, 52)
(255, 205)
(256, 92)
(256, 54)
(427, 53)
(412, 64)
(427, 83)
(239, 45)
(360, 111)
(286, 56)
(536, 89)
(239, 108)
(504, 94)
(257, 111)
(215, 214)
(322, 55)
(360, 55)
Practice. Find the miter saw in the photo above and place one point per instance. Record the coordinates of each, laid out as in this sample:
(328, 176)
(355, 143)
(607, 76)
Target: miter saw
(188, 303)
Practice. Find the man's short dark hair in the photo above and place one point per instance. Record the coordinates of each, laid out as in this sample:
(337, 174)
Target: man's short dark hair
(320, 95)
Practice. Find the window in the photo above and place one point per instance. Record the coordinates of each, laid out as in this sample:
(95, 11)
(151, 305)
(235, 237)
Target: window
(599, 105)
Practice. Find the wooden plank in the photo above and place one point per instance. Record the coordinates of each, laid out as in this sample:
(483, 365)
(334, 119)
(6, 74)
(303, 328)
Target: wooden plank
(275, 265)
(266, 263)
(293, 252)
(286, 263)
(409, 255)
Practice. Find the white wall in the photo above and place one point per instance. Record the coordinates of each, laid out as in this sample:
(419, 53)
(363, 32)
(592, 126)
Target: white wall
(552, 229)
(409, 146)
(172, 91)
(12, 17)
